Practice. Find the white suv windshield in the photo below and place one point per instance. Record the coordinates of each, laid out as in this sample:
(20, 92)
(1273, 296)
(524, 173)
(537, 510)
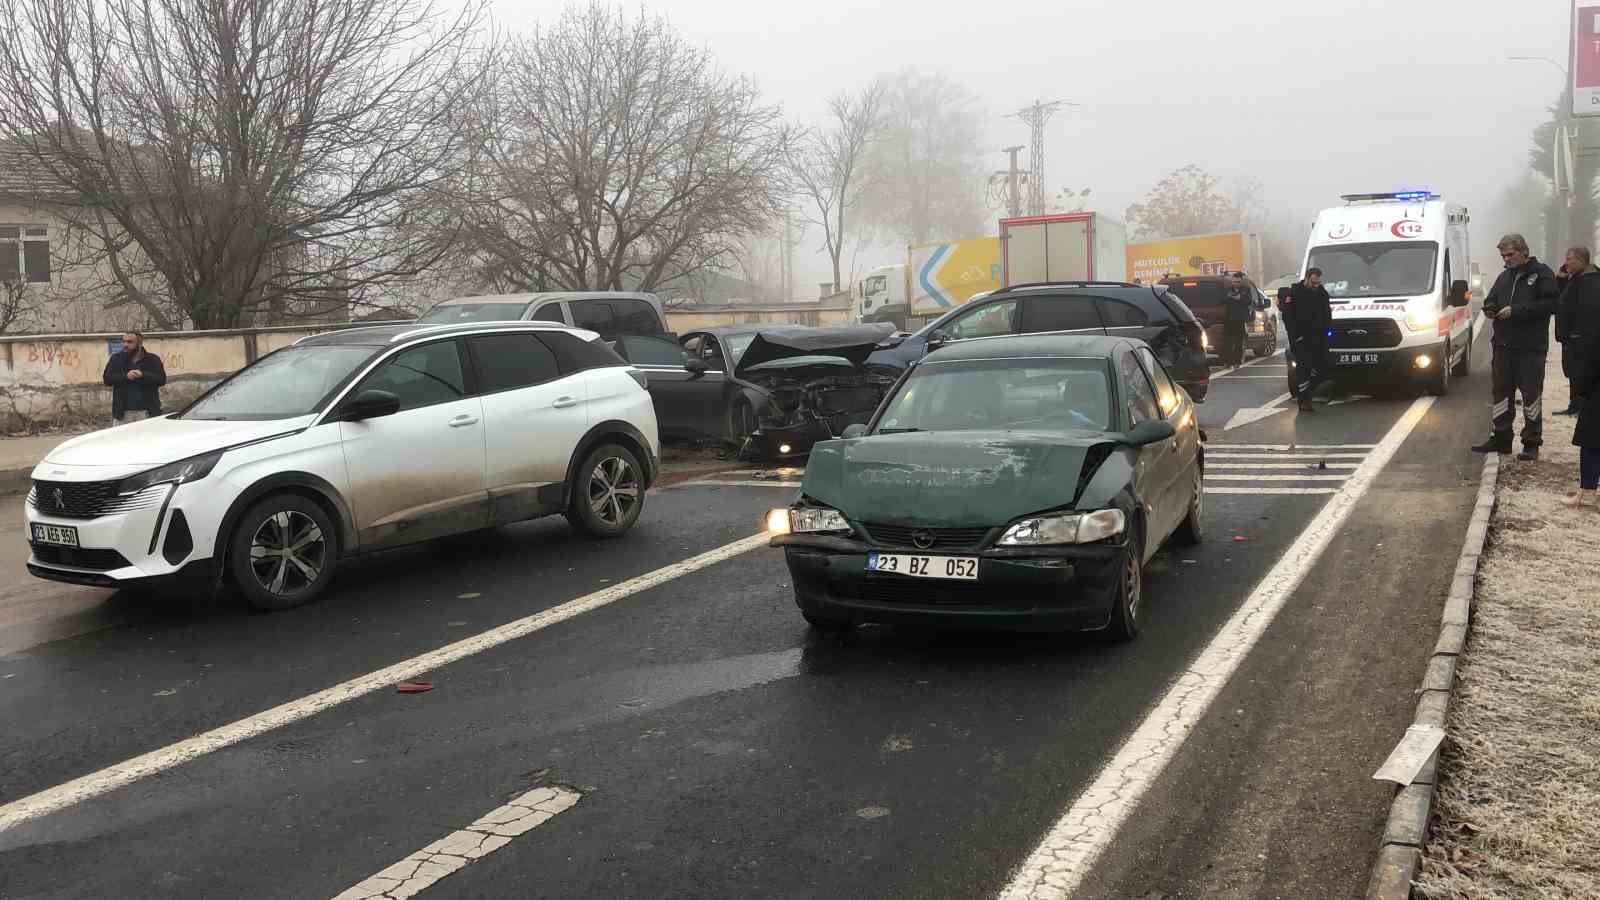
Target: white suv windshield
(293, 382)
(1385, 269)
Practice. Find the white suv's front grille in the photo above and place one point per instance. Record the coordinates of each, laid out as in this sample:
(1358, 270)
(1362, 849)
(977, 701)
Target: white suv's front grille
(89, 499)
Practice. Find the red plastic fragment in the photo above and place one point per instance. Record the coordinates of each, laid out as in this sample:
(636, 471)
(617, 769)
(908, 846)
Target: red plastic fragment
(414, 687)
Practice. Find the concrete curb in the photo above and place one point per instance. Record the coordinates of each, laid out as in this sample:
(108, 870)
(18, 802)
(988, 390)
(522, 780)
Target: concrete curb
(1399, 859)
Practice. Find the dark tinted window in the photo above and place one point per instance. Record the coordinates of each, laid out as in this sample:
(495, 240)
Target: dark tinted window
(506, 361)
(1166, 391)
(1141, 395)
(988, 320)
(651, 351)
(1059, 314)
(1204, 298)
(421, 376)
(636, 317)
(550, 312)
(1117, 314)
(574, 354)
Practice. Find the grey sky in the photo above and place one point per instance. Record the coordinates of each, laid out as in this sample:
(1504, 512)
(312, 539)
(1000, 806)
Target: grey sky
(1314, 98)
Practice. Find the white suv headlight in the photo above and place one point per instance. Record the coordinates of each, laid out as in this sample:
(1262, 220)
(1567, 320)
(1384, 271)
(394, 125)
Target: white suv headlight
(184, 470)
(1072, 528)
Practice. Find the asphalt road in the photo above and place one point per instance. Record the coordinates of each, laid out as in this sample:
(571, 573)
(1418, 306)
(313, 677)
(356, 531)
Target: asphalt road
(718, 748)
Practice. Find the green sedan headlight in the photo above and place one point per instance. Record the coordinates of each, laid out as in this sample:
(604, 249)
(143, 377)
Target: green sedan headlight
(184, 470)
(813, 519)
(1072, 528)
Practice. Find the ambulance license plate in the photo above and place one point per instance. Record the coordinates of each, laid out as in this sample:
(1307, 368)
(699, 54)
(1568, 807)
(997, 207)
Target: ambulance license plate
(1356, 359)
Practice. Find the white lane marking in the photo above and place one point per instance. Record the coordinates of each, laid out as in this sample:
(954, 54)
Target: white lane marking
(1227, 446)
(1269, 490)
(782, 484)
(1300, 466)
(1076, 840)
(457, 849)
(1253, 377)
(1210, 477)
(1249, 414)
(1477, 327)
(89, 786)
(1281, 457)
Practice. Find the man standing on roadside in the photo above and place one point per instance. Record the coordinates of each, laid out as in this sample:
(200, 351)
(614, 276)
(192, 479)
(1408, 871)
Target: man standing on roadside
(1308, 317)
(1577, 321)
(1520, 303)
(1237, 307)
(135, 377)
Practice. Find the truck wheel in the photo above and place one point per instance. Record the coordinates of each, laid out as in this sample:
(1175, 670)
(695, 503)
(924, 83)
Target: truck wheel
(1439, 381)
(1464, 368)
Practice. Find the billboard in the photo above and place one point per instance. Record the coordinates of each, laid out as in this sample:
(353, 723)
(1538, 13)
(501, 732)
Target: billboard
(1206, 254)
(1586, 58)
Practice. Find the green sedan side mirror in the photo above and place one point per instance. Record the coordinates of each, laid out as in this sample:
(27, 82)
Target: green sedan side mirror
(1149, 433)
(854, 431)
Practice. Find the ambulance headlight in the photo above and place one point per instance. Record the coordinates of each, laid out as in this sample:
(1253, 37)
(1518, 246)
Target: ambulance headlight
(1421, 320)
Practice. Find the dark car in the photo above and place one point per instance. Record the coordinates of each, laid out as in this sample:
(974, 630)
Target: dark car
(1151, 314)
(1019, 482)
(607, 313)
(769, 391)
(1205, 294)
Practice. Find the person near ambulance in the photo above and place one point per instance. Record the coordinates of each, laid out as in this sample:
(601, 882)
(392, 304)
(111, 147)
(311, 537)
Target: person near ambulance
(1521, 302)
(1307, 316)
(1577, 321)
(1237, 305)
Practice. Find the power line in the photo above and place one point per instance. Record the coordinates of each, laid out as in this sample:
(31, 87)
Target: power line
(1035, 117)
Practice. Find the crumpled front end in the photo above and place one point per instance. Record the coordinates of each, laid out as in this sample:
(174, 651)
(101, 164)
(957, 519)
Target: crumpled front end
(804, 411)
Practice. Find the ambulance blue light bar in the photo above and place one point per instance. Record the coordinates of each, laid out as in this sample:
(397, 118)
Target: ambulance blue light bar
(1392, 196)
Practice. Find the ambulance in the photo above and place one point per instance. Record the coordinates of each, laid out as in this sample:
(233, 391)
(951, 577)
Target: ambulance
(1396, 267)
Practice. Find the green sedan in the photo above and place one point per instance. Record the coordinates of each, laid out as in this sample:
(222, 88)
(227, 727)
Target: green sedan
(1013, 482)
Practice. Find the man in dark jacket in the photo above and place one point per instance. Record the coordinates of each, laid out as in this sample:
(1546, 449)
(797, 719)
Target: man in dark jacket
(1577, 320)
(1237, 306)
(1520, 303)
(1308, 316)
(135, 377)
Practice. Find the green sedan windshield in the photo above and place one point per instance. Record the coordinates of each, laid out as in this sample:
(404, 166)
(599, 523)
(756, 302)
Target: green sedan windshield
(1004, 395)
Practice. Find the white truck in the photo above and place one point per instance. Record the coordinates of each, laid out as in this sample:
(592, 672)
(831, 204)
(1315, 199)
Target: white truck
(1085, 246)
(936, 278)
(1396, 267)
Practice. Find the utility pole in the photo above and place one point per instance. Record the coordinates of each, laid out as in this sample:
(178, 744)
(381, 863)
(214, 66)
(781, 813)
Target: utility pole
(1035, 117)
(786, 249)
(1013, 183)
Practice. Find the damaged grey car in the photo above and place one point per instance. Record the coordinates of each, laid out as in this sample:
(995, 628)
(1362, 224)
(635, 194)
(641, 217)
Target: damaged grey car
(768, 391)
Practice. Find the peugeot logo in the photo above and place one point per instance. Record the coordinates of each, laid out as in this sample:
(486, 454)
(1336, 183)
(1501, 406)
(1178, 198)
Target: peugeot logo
(60, 498)
(923, 539)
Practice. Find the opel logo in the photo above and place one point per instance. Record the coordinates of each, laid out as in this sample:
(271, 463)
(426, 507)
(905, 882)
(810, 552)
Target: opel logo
(923, 539)
(60, 498)
(1357, 331)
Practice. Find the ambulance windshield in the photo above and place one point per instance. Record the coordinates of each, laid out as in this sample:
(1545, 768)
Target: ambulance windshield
(1387, 269)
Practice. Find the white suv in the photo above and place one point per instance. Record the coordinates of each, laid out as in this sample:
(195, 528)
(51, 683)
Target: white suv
(347, 442)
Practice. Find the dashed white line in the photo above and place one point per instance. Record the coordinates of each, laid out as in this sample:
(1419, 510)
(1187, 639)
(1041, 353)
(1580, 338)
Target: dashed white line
(1062, 860)
(1277, 466)
(1278, 477)
(89, 786)
(1281, 457)
(1223, 446)
(458, 849)
(1211, 489)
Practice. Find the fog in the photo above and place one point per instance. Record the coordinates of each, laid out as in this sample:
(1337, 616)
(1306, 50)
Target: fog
(1314, 99)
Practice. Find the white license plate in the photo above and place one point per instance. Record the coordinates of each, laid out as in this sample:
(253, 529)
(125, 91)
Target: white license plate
(1357, 359)
(58, 535)
(955, 568)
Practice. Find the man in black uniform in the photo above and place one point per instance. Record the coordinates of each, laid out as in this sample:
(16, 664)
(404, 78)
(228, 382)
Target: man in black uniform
(1237, 307)
(1307, 318)
(1577, 321)
(1520, 303)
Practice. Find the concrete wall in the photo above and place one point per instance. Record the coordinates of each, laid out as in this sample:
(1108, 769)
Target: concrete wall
(57, 378)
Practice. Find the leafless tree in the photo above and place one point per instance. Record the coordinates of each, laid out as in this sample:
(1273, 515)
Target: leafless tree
(17, 306)
(927, 172)
(613, 155)
(255, 154)
(829, 167)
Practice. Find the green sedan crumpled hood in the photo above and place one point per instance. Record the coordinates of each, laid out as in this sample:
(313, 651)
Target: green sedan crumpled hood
(948, 479)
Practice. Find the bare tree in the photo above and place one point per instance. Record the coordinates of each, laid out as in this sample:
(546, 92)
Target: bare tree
(613, 155)
(255, 154)
(829, 166)
(1188, 201)
(927, 172)
(17, 306)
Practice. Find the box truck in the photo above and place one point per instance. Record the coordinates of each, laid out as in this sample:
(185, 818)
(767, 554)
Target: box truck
(1086, 246)
(1149, 262)
(936, 278)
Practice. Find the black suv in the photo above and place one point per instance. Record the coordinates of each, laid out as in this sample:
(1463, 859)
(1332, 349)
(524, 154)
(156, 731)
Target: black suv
(1150, 313)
